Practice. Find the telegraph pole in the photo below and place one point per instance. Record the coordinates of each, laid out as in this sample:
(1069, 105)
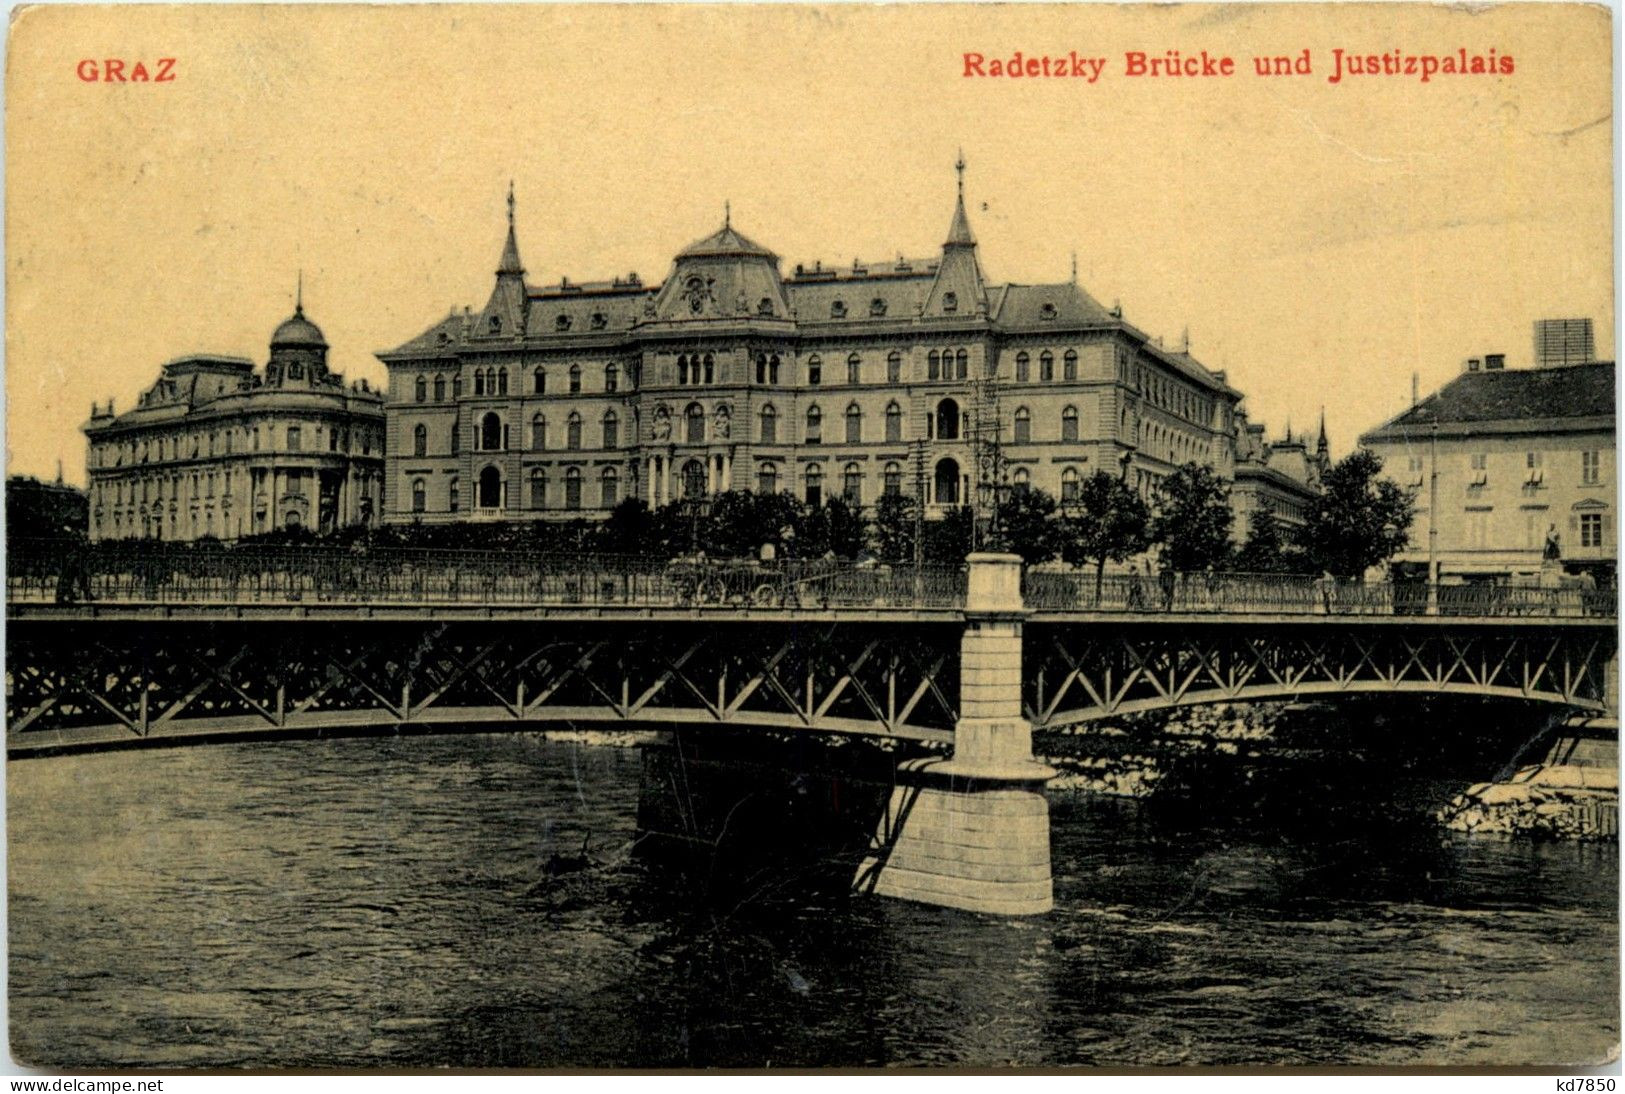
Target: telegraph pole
(1433, 520)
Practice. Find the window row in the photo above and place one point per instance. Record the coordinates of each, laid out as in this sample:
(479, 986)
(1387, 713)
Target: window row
(494, 381)
(490, 490)
(228, 442)
(1046, 366)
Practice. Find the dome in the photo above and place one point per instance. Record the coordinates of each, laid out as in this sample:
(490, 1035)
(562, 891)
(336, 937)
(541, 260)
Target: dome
(298, 331)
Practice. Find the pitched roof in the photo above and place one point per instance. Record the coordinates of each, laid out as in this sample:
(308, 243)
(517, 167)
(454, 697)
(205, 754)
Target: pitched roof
(727, 242)
(1512, 395)
(1048, 305)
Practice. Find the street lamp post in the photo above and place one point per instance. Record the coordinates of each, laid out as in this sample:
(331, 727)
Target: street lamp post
(1433, 521)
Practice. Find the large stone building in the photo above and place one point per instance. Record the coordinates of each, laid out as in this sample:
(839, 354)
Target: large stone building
(870, 378)
(214, 448)
(1525, 464)
(1281, 477)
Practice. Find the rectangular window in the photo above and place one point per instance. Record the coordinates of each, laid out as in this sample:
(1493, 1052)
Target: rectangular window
(1415, 463)
(293, 439)
(1481, 461)
(1590, 467)
(1534, 527)
(815, 493)
(1478, 528)
(1532, 460)
(1591, 529)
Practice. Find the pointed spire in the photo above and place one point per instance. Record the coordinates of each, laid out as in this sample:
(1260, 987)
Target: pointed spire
(510, 264)
(299, 294)
(727, 215)
(1185, 340)
(959, 234)
(1074, 267)
(1321, 445)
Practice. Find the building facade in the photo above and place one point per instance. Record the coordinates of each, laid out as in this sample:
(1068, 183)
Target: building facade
(1525, 466)
(1281, 477)
(559, 401)
(217, 449)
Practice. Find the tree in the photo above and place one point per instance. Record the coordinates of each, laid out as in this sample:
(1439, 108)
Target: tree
(1261, 554)
(1193, 519)
(948, 540)
(892, 531)
(1359, 520)
(732, 528)
(629, 529)
(1027, 527)
(834, 527)
(1109, 523)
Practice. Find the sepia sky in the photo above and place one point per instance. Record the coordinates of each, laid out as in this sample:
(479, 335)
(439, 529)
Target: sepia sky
(1320, 241)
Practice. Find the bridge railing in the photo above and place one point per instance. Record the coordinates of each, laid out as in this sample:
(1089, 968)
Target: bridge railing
(1284, 594)
(171, 574)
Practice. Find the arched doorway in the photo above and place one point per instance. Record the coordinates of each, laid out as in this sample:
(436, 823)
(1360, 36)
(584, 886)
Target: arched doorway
(947, 481)
(490, 488)
(693, 479)
(947, 421)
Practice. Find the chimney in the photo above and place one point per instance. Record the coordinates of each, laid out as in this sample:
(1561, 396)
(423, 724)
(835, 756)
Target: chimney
(1472, 364)
(1494, 362)
(1560, 342)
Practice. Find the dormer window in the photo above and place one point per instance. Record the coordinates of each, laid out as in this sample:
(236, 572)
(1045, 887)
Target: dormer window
(562, 323)
(877, 307)
(950, 302)
(764, 307)
(837, 309)
(442, 338)
(495, 326)
(1047, 312)
(599, 320)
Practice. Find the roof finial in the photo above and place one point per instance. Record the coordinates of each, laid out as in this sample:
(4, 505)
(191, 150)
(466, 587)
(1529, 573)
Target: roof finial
(510, 203)
(299, 294)
(1185, 340)
(1074, 267)
(727, 214)
(959, 166)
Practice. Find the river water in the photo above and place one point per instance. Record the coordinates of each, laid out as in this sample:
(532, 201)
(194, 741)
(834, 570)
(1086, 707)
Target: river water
(413, 903)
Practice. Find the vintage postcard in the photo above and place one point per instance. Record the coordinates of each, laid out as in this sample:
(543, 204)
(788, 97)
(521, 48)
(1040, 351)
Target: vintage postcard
(947, 536)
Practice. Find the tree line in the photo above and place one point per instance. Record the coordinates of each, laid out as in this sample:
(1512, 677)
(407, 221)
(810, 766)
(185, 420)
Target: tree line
(1357, 521)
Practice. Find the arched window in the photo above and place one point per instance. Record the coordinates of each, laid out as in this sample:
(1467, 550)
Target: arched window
(1069, 424)
(893, 480)
(422, 389)
(693, 479)
(439, 389)
(950, 302)
(538, 382)
(612, 429)
(479, 381)
(1022, 480)
(761, 368)
(502, 381)
(538, 488)
(815, 370)
(490, 489)
(495, 326)
(837, 309)
(767, 479)
(612, 378)
(575, 379)
(453, 496)
(769, 431)
(854, 369)
(813, 479)
(894, 422)
(933, 366)
(457, 386)
(1024, 367)
(815, 426)
(490, 433)
(1024, 425)
(572, 488)
(947, 420)
(946, 481)
(572, 432)
(682, 370)
(1069, 486)
(1046, 366)
(894, 367)
(1069, 365)
(773, 369)
(852, 485)
(854, 424)
(609, 487)
(961, 365)
(420, 440)
(538, 433)
(694, 418)
(710, 369)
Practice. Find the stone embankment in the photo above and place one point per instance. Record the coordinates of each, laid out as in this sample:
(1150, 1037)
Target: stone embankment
(1573, 795)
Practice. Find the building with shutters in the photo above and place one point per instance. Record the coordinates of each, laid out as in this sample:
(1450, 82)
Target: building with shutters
(731, 373)
(215, 448)
(1524, 459)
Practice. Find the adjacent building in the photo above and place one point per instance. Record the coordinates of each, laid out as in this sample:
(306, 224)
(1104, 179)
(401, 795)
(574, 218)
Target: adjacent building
(1281, 477)
(1510, 466)
(39, 510)
(215, 448)
(858, 380)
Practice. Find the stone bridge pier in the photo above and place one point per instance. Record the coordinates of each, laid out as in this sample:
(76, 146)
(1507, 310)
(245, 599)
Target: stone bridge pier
(972, 831)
